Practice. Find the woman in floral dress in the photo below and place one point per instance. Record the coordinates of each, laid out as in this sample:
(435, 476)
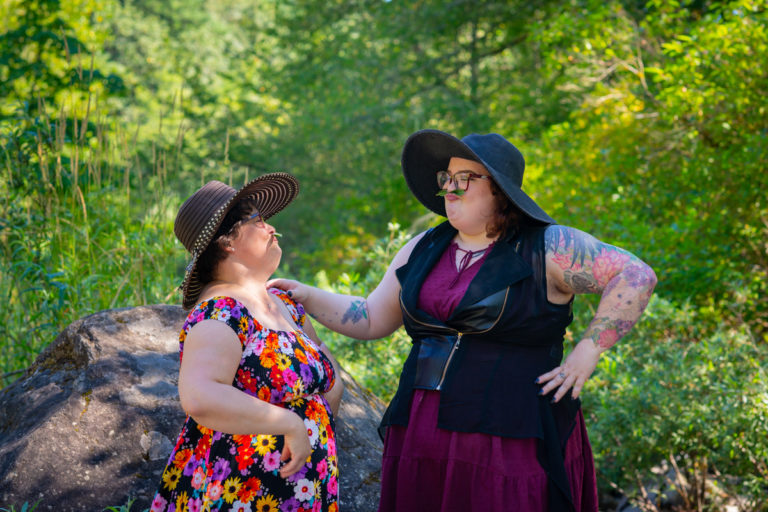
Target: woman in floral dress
(258, 389)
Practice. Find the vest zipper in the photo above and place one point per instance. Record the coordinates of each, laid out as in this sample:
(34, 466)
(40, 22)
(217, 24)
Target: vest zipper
(448, 362)
(458, 334)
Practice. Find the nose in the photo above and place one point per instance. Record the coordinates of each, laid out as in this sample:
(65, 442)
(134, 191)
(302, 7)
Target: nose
(450, 184)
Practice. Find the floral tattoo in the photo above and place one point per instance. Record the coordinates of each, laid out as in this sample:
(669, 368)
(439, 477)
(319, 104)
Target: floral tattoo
(591, 266)
(357, 311)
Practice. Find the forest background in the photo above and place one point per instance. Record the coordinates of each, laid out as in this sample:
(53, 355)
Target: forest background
(642, 122)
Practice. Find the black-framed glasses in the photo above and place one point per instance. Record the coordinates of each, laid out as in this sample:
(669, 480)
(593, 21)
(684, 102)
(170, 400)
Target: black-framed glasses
(460, 179)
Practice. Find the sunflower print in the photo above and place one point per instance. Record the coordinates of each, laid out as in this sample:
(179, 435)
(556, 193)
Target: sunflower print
(214, 471)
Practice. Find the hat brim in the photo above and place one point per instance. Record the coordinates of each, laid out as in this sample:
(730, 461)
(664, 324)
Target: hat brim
(428, 151)
(272, 192)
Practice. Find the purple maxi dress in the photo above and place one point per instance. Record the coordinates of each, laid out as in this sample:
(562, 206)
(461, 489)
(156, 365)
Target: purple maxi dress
(428, 469)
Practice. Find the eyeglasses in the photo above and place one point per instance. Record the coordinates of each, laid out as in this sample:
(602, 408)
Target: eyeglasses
(460, 179)
(257, 216)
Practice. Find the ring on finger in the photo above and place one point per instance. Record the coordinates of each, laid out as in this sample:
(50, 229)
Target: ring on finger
(562, 375)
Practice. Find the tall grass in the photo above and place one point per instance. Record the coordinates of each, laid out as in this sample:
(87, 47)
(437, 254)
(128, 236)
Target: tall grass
(85, 223)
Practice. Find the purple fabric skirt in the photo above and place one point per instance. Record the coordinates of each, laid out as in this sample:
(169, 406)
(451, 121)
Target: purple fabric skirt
(428, 469)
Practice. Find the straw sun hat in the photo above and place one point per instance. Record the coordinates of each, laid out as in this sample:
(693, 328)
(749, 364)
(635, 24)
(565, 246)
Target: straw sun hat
(202, 214)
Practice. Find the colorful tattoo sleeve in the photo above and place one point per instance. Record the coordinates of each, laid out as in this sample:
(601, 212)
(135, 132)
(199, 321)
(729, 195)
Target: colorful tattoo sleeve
(591, 266)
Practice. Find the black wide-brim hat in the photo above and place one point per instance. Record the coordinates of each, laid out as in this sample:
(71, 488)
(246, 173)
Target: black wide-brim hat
(202, 214)
(428, 151)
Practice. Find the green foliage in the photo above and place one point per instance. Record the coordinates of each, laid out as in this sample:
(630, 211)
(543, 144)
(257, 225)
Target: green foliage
(675, 390)
(642, 122)
(74, 239)
(124, 508)
(26, 507)
(666, 154)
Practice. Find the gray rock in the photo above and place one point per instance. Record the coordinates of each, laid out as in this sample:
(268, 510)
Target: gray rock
(92, 421)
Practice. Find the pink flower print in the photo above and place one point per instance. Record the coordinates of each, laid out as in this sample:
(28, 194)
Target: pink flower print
(290, 377)
(239, 506)
(272, 461)
(331, 446)
(158, 504)
(317, 506)
(258, 346)
(333, 486)
(607, 264)
(214, 490)
(322, 469)
(304, 490)
(195, 504)
(198, 477)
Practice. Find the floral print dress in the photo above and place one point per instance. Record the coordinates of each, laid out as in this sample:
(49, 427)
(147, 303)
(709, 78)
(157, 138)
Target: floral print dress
(213, 471)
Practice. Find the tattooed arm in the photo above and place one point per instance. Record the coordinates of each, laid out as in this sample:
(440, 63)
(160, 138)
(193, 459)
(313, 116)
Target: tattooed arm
(369, 318)
(579, 263)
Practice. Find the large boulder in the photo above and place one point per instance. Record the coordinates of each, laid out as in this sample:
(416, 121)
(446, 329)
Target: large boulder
(92, 421)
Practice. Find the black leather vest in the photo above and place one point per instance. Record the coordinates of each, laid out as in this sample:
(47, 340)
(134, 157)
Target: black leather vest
(485, 357)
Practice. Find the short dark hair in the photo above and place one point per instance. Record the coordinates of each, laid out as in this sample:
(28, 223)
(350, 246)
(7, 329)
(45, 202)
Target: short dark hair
(228, 231)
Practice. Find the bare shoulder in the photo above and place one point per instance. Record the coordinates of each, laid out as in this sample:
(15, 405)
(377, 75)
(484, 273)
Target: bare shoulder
(211, 331)
(401, 258)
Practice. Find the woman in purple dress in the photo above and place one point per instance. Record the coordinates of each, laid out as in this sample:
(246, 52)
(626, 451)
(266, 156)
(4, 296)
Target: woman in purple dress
(486, 415)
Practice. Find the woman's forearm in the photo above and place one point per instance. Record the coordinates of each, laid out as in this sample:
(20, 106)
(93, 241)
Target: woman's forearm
(345, 314)
(227, 409)
(624, 299)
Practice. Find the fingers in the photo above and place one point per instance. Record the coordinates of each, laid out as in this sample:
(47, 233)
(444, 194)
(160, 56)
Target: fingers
(293, 466)
(296, 450)
(572, 374)
(564, 387)
(560, 380)
(552, 380)
(576, 391)
(293, 289)
(295, 461)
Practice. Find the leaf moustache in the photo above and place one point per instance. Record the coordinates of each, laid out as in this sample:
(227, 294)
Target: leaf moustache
(443, 192)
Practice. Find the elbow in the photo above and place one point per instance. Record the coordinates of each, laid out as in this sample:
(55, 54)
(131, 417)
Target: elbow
(193, 403)
(190, 406)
